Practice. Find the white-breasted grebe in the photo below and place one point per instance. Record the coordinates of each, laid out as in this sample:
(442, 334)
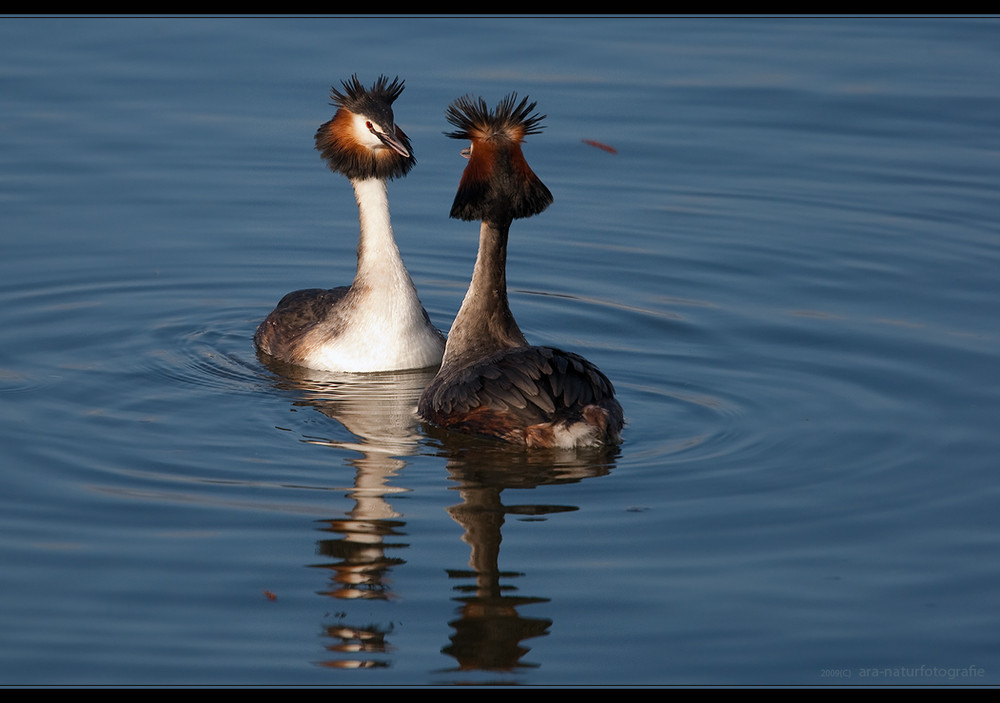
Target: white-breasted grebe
(377, 323)
(492, 382)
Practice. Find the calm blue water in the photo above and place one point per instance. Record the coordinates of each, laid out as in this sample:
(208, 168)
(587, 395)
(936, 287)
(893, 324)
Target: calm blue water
(789, 268)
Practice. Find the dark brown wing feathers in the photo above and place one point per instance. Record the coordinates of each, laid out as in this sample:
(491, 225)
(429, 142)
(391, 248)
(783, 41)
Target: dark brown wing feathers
(536, 384)
(293, 317)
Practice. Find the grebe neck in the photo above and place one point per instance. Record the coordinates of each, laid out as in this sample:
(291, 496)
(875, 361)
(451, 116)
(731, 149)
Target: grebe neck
(379, 323)
(484, 323)
(378, 255)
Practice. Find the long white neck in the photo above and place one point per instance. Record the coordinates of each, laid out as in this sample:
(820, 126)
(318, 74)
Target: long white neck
(379, 325)
(379, 263)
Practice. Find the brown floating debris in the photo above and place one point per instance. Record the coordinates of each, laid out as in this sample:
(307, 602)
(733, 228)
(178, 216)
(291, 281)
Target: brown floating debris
(605, 147)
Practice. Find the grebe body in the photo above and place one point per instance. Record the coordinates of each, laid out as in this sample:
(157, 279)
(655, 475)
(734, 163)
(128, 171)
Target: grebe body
(492, 382)
(377, 323)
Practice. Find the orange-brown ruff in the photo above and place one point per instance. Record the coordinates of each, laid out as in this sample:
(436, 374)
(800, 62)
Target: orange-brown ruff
(492, 383)
(337, 140)
(377, 323)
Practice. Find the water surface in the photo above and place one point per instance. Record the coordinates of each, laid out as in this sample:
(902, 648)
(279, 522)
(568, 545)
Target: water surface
(788, 266)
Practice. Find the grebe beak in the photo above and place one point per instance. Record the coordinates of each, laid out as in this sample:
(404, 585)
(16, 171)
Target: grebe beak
(390, 141)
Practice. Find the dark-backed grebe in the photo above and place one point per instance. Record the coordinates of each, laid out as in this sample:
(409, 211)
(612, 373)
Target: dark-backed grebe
(377, 323)
(491, 381)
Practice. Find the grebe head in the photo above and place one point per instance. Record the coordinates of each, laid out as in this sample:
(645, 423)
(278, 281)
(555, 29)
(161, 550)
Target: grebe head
(362, 140)
(497, 185)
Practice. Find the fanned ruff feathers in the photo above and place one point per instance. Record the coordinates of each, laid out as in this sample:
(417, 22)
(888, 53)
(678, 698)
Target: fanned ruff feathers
(339, 148)
(497, 184)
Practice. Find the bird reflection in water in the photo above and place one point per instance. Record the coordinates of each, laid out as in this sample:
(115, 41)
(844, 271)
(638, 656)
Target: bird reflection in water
(490, 631)
(378, 410)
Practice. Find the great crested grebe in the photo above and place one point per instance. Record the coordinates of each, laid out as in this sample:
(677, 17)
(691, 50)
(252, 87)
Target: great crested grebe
(377, 323)
(491, 381)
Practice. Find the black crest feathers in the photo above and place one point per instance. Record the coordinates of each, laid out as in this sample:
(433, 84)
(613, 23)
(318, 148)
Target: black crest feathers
(375, 102)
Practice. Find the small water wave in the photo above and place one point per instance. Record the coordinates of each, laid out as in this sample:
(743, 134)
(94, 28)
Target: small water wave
(212, 353)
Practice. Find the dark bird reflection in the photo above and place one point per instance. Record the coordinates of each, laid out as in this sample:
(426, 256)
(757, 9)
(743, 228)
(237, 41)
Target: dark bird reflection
(489, 633)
